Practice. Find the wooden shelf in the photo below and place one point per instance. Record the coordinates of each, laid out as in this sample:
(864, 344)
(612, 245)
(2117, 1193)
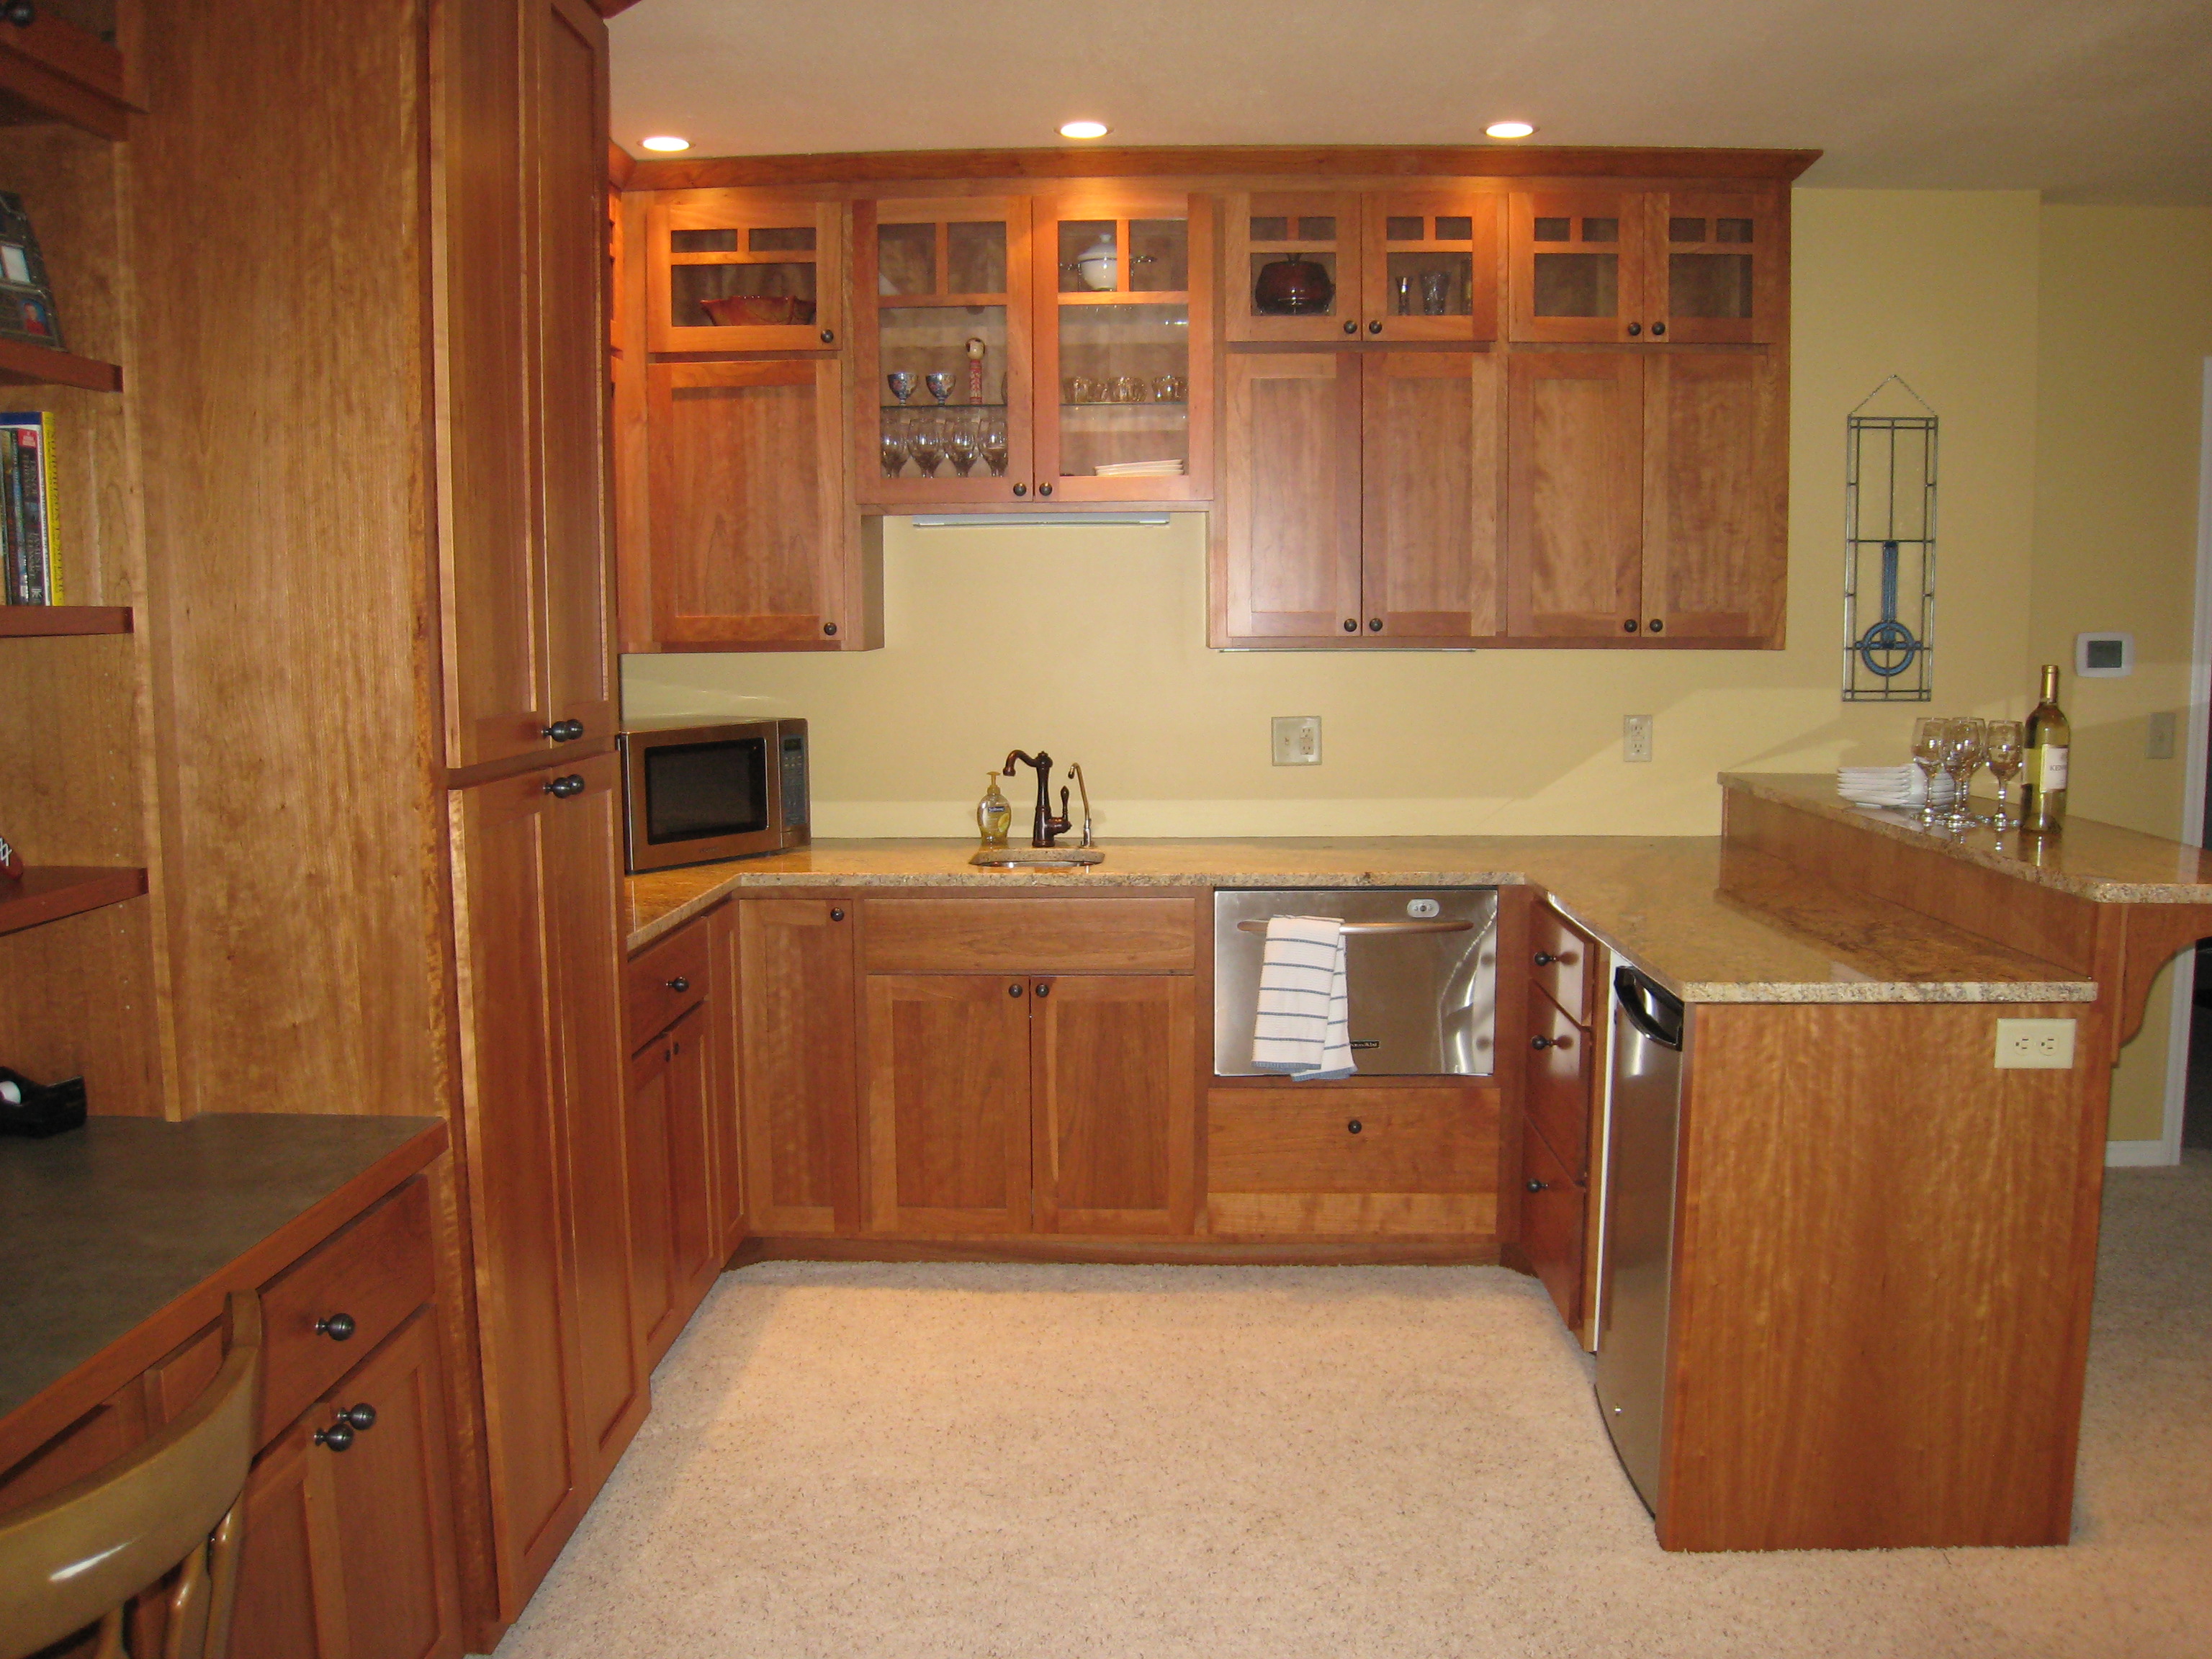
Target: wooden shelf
(53, 70)
(24, 364)
(48, 893)
(28, 622)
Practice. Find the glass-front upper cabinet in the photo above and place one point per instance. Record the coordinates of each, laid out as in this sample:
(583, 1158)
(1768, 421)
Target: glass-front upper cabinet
(1429, 266)
(1124, 348)
(737, 270)
(1577, 265)
(1292, 270)
(942, 361)
(1720, 278)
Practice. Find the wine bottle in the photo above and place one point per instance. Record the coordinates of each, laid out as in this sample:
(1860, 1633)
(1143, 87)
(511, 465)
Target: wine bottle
(2043, 800)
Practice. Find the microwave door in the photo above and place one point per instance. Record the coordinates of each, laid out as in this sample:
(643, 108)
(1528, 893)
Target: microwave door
(704, 801)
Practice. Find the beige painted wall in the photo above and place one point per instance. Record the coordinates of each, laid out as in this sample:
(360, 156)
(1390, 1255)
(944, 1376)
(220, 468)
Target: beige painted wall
(2126, 326)
(1090, 642)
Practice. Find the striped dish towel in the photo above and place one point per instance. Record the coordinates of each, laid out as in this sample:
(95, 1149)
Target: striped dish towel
(1303, 1028)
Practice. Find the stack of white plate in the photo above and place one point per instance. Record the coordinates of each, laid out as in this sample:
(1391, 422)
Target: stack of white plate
(1891, 786)
(1140, 469)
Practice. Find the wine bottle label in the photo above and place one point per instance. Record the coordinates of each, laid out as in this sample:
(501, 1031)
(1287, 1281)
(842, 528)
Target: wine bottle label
(2047, 767)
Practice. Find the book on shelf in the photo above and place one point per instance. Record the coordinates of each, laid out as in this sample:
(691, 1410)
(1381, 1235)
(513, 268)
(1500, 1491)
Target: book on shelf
(32, 564)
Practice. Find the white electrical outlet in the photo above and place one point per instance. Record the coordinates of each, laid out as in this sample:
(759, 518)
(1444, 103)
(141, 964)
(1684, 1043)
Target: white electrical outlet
(2035, 1045)
(2159, 745)
(1297, 739)
(1636, 738)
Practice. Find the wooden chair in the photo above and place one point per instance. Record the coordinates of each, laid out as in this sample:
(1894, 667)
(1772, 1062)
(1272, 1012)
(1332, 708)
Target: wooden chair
(80, 1556)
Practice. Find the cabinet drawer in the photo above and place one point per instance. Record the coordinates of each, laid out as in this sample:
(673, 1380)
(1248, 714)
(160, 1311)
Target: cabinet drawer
(1560, 961)
(659, 985)
(1552, 1223)
(376, 1272)
(1030, 936)
(1408, 1140)
(1559, 1080)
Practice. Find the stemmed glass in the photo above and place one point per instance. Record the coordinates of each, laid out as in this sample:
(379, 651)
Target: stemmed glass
(939, 384)
(902, 382)
(894, 448)
(2007, 741)
(1967, 744)
(960, 448)
(927, 446)
(1931, 737)
(993, 442)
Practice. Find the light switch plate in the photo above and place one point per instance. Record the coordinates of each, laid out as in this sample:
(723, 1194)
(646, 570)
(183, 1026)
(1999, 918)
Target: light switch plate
(2159, 743)
(2035, 1045)
(1636, 738)
(1297, 739)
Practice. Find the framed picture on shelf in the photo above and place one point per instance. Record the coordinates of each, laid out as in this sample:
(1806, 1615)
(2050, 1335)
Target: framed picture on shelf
(27, 301)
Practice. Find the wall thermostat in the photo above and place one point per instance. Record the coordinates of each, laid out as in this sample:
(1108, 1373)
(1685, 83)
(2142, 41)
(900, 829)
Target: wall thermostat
(2104, 656)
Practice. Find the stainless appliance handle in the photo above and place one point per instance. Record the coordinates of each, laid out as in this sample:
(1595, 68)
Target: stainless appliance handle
(1380, 927)
(1632, 990)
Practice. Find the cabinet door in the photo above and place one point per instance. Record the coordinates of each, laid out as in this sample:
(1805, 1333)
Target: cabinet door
(1721, 267)
(393, 1502)
(674, 1255)
(740, 271)
(1429, 266)
(749, 542)
(1114, 1120)
(1716, 496)
(1560, 1081)
(1124, 348)
(945, 288)
(1275, 229)
(1429, 492)
(1574, 494)
(1553, 1202)
(291, 1598)
(1577, 270)
(567, 111)
(723, 1059)
(518, 1163)
(948, 1103)
(583, 880)
(798, 1068)
(1286, 557)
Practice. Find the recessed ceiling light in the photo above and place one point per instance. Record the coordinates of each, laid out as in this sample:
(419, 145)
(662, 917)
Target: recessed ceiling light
(1083, 129)
(665, 141)
(1508, 129)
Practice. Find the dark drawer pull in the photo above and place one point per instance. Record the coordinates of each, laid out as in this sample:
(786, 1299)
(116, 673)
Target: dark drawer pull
(351, 1420)
(337, 1327)
(561, 788)
(565, 731)
(679, 984)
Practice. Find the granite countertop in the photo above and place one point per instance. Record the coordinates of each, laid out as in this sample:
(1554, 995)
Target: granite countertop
(1712, 923)
(110, 1224)
(2092, 861)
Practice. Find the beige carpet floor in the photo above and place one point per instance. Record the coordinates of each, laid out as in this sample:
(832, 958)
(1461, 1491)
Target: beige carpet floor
(996, 1462)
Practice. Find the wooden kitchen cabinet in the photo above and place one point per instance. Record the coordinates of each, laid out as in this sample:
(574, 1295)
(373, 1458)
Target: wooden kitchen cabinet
(1111, 1112)
(675, 1253)
(1559, 1137)
(1362, 499)
(949, 1103)
(774, 266)
(725, 1007)
(798, 1064)
(1405, 265)
(1554, 1226)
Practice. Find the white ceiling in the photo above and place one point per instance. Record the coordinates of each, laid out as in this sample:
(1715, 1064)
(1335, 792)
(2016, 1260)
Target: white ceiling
(2087, 100)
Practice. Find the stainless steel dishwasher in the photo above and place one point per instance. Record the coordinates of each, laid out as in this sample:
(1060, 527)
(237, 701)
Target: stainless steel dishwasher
(1421, 967)
(1636, 1266)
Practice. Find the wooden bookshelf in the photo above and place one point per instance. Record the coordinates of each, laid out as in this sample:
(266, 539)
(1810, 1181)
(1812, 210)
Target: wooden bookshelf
(33, 621)
(23, 364)
(48, 893)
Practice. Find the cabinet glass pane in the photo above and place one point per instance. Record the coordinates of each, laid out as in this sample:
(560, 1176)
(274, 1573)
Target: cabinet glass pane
(960, 436)
(724, 240)
(706, 296)
(1575, 285)
(906, 258)
(1455, 227)
(1125, 390)
(1431, 284)
(1410, 227)
(1731, 230)
(1708, 284)
(975, 256)
(1554, 230)
(1601, 230)
(1090, 256)
(1159, 256)
(1325, 260)
(779, 239)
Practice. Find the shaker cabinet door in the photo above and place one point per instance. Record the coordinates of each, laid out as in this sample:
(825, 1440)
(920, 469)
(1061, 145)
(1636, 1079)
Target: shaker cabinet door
(1574, 494)
(948, 1103)
(798, 1066)
(676, 1258)
(1715, 553)
(1112, 1119)
(1287, 563)
(1431, 487)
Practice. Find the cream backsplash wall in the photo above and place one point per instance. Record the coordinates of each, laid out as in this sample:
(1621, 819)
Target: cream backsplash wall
(1089, 641)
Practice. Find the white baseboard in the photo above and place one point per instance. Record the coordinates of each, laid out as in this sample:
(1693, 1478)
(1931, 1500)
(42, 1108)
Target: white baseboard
(2139, 1154)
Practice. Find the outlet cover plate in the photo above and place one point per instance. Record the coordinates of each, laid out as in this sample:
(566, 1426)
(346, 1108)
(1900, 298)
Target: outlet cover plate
(1297, 739)
(2035, 1045)
(1636, 738)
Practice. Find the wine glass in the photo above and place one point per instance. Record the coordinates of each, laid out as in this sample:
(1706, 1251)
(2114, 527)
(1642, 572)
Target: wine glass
(894, 448)
(902, 382)
(960, 447)
(939, 384)
(993, 442)
(1928, 742)
(2007, 750)
(927, 446)
(1966, 743)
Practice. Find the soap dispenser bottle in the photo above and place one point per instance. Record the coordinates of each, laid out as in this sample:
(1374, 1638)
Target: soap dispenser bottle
(995, 817)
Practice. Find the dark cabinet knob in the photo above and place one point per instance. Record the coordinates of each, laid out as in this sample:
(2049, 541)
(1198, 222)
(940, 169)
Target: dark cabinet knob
(836, 915)
(1044, 489)
(22, 13)
(1658, 330)
(1375, 624)
(1013, 990)
(830, 629)
(1545, 958)
(679, 984)
(1351, 624)
(1021, 489)
(338, 1437)
(562, 788)
(1375, 328)
(1351, 328)
(1045, 987)
(1539, 1042)
(1629, 625)
(1558, 1042)
(1535, 1185)
(1354, 1126)
(565, 731)
(1657, 624)
(1635, 329)
(337, 1327)
(829, 337)
(362, 1417)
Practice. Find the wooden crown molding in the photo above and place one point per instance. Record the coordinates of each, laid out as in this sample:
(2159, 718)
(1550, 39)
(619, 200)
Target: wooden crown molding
(621, 165)
(1373, 161)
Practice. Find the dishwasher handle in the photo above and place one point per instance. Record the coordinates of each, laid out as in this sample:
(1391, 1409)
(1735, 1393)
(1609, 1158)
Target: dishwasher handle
(1649, 1010)
(1380, 927)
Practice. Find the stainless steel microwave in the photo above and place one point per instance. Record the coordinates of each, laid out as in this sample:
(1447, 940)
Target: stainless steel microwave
(695, 793)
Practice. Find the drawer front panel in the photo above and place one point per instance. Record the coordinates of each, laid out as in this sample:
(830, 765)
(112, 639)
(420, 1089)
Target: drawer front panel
(1553, 1219)
(1151, 935)
(1408, 1140)
(660, 986)
(375, 1273)
(1559, 1080)
(1559, 965)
